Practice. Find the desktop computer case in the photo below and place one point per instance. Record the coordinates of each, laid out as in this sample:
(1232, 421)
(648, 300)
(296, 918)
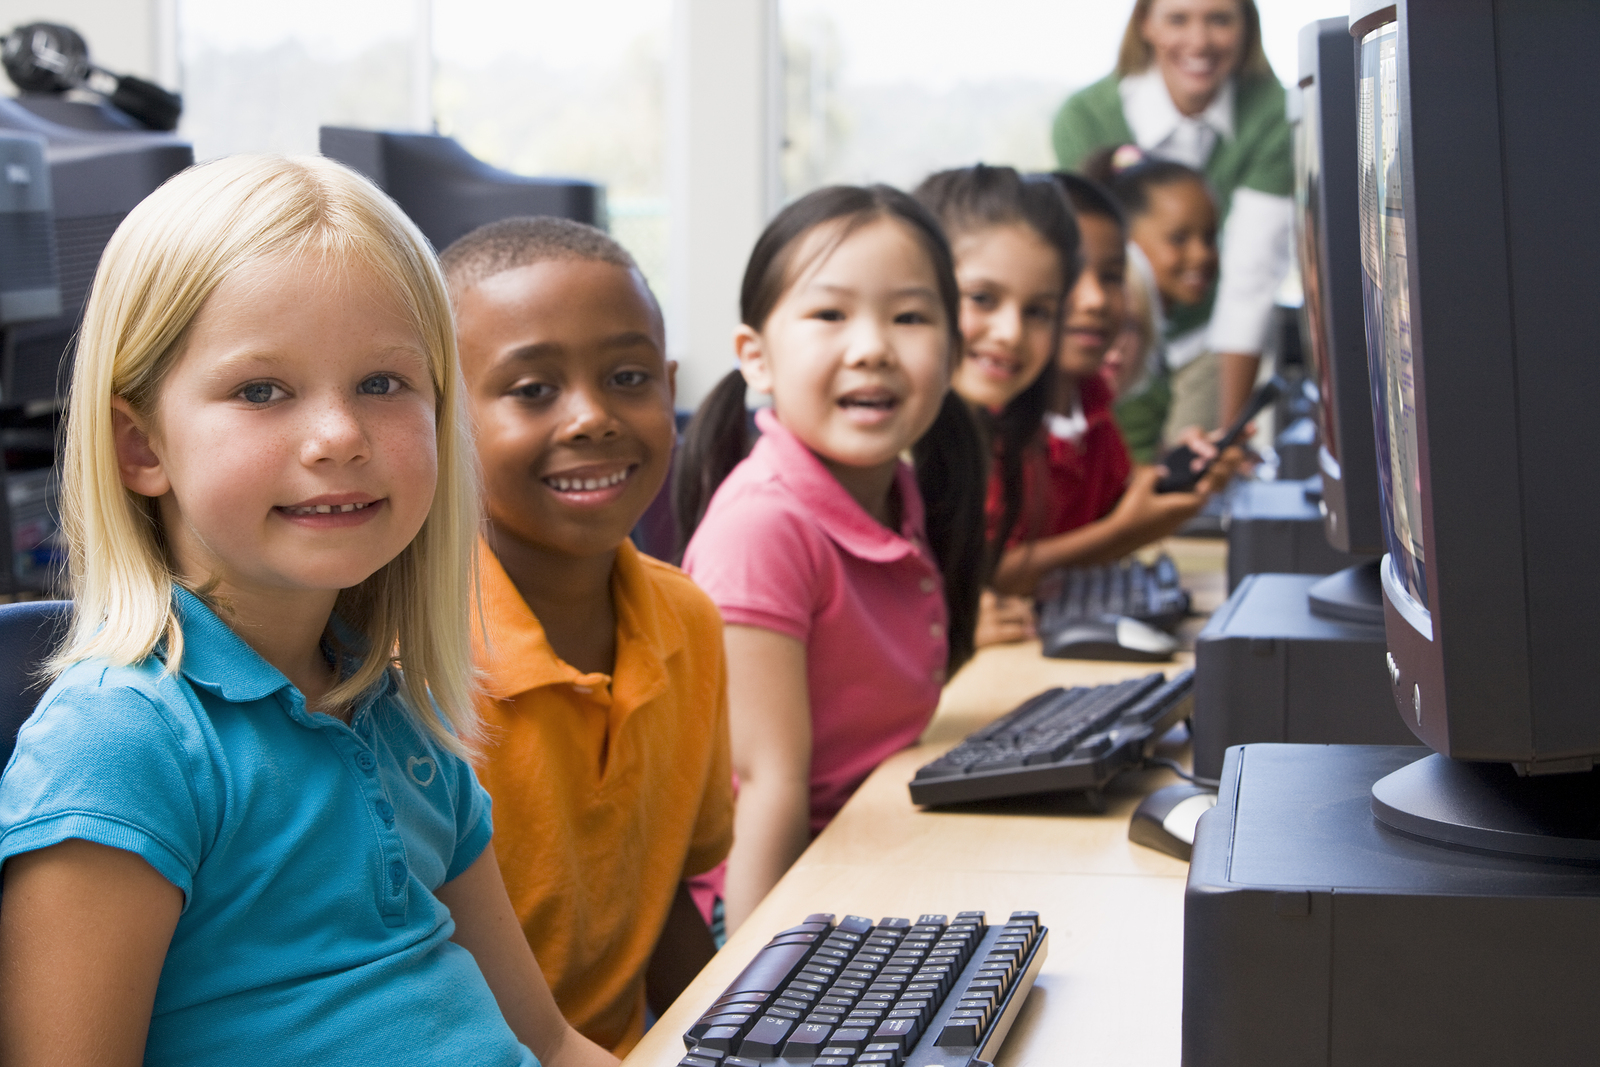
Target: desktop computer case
(1315, 936)
(1267, 669)
(1277, 528)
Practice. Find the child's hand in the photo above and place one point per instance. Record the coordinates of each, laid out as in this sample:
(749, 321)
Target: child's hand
(1003, 619)
(1146, 515)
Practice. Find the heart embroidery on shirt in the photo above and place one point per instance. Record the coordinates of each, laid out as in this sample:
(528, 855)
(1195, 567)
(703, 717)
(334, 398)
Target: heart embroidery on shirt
(421, 769)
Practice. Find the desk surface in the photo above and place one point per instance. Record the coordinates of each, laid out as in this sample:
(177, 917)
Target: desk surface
(1110, 991)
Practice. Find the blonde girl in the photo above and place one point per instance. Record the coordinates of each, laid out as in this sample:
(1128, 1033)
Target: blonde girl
(233, 828)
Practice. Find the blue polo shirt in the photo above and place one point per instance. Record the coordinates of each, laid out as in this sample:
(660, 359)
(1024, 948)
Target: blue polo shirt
(307, 850)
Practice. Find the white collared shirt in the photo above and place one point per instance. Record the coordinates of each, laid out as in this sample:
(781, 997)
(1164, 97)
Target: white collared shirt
(1254, 242)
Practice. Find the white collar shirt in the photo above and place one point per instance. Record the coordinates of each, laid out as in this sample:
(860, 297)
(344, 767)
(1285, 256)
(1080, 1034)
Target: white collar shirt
(1161, 129)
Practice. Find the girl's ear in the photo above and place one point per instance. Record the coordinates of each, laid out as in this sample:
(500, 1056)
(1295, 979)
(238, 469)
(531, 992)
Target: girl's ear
(137, 462)
(752, 354)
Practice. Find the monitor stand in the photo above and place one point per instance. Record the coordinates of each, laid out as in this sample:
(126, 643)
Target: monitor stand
(1489, 806)
(1270, 667)
(1315, 934)
(1354, 594)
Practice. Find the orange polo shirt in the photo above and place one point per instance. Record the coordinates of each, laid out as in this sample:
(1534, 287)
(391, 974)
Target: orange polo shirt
(608, 789)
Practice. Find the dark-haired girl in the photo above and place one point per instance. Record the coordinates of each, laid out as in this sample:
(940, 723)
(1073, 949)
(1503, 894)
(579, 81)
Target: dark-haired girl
(846, 604)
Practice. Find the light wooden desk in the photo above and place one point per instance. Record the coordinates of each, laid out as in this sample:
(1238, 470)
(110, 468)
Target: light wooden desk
(1110, 992)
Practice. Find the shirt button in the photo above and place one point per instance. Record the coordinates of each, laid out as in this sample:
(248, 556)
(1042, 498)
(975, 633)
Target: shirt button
(937, 674)
(366, 761)
(928, 585)
(397, 876)
(385, 810)
(936, 630)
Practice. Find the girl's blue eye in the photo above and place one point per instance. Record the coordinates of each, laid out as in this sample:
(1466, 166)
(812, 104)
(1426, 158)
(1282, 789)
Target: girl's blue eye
(258, 392)
(380, 385)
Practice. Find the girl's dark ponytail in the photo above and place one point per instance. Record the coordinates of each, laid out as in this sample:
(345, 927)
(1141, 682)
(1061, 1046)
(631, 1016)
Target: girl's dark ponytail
(716, 440)
(952, 476)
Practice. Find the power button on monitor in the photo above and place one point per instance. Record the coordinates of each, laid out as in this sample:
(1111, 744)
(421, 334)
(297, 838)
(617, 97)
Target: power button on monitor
(1416, 702)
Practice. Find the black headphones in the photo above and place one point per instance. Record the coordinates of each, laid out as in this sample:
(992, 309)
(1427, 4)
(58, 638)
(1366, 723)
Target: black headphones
(45, 57)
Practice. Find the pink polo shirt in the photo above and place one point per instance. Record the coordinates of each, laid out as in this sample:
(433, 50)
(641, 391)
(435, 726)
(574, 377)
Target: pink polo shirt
(784, 547)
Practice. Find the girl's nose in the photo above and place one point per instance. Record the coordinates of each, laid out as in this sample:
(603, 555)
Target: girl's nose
(869, 343)
(336, 434)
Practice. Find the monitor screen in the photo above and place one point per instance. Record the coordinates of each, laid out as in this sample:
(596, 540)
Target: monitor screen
(1308, 242)
(1386, 288)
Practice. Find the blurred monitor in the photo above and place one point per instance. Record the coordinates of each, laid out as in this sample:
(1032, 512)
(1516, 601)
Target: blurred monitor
(98, 170)
(447, 191)
(1328, 239)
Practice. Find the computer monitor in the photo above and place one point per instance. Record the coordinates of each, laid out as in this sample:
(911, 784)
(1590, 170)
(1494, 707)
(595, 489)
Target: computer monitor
(448, 192)
(1328, 239)
(1479, 230)
(98, 169)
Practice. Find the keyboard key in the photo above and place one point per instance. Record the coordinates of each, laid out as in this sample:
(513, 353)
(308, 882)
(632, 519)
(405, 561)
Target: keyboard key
(806, 1039)
(832, 1061)
(766, 1037)
(696, 1061)
(903, 1030)
(720, 1037)
(855, 924)
(739, 1061)
(770, 969)
(850, 1037)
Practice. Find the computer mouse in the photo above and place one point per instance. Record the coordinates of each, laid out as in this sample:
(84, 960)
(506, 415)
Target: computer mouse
(1165, 820)
(1110, 637)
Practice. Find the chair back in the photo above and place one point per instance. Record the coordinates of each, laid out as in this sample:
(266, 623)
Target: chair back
(29, 632)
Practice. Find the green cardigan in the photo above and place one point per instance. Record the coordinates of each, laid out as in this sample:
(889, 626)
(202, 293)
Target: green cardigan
(1258, 155)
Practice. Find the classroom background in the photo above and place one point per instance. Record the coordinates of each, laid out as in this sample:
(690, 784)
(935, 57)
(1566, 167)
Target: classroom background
(700, 117)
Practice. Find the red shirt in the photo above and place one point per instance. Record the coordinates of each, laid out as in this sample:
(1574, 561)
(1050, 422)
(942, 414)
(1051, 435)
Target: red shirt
(1065, 483)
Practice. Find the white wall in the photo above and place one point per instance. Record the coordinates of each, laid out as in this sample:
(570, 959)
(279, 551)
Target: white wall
(125, 36)
(722, 182)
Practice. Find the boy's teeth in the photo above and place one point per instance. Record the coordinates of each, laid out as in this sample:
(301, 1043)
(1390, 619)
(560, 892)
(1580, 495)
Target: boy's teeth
(567, 485)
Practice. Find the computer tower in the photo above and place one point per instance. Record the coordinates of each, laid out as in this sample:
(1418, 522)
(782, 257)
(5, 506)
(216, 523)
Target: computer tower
(1315, 936)
(1276, 528)
(1267, 668)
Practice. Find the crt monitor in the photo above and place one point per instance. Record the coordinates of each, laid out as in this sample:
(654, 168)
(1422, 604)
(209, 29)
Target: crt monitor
(447, 191)
(1328, 239)
(99, 169)
(1479, 230)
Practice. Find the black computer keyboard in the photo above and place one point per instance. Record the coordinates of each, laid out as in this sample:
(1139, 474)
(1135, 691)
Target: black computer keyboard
(1062, 739)
(1147, 592)
(888, 994)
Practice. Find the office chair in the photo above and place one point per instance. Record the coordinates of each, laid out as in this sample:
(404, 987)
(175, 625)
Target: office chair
(28, 633)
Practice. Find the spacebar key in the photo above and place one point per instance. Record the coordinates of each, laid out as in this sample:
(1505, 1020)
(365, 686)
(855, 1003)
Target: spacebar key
(770, 969)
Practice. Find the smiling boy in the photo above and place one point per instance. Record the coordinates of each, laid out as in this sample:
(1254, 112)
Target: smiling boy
(605, 683)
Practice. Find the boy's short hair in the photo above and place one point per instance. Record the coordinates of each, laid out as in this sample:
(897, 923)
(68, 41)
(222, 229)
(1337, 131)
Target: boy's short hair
(523, 241)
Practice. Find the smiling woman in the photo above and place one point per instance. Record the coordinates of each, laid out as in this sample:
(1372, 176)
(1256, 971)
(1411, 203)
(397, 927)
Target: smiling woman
(1193, 85)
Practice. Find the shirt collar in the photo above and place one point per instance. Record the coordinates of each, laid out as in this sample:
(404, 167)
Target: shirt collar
(216, 658)
(1153, 117)
(516, 657)
(831, 506)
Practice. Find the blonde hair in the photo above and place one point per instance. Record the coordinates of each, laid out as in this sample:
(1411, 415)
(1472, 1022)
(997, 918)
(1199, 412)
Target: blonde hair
(1135, 56)
(158, 270)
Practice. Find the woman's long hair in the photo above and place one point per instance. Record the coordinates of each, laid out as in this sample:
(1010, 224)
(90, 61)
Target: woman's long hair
(1135, 54)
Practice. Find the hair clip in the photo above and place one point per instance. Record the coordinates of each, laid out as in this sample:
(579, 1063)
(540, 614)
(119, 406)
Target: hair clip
(1126, 157)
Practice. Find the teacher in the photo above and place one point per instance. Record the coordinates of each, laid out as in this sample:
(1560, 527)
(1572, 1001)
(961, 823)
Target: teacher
(1193, 85)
